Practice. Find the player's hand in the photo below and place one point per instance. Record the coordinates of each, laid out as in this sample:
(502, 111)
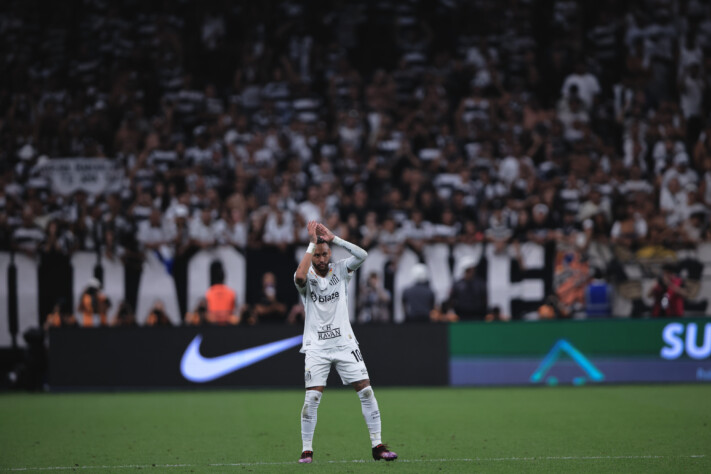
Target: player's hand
(324, 233)
(312, 228)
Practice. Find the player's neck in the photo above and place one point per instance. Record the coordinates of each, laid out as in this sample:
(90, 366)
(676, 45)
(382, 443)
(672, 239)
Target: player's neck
(322, 275)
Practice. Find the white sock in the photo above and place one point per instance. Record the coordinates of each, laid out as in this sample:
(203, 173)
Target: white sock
(371, 413)
(308, 418)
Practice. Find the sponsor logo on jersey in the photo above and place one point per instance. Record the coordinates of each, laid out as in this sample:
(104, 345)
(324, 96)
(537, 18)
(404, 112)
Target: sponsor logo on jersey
(329, 333)
(324, 298)
(313, 282)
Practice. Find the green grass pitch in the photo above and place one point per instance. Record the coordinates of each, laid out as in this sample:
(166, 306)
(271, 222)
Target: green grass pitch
(659, 428)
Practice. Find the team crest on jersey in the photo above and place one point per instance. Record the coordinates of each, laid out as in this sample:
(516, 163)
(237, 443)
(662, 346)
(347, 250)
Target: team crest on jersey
(334, 281)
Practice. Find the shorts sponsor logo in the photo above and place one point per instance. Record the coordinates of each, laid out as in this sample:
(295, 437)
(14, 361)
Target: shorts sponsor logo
(307, 375)
(324, 298)
(329, 333)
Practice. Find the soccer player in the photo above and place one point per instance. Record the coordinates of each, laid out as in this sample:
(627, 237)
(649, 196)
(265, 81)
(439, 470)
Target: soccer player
(328, 336)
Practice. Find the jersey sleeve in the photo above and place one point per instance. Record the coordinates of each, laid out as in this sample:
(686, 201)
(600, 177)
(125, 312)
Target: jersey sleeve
(300, 289)
(342, 270)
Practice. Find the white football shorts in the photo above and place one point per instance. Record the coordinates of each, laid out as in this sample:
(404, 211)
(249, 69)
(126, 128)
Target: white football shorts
(347, 360)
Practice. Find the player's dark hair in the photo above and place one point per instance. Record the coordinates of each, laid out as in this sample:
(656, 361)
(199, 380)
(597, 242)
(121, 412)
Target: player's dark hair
(217, 273)
(669, 267)
(319, 240)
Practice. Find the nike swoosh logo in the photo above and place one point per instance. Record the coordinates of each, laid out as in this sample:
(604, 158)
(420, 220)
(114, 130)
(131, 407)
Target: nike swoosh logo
(197, 368)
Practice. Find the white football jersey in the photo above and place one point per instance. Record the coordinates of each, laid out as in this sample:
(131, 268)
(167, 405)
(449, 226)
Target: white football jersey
(325, 301)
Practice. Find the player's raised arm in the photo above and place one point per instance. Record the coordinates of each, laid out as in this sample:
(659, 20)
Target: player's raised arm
(303, 268)
(358, 255)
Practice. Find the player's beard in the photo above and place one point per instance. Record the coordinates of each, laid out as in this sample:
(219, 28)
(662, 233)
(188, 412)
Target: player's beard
(321, 267)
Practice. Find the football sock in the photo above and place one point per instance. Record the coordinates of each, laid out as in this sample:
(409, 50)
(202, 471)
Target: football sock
(308, 418)
(371, 413)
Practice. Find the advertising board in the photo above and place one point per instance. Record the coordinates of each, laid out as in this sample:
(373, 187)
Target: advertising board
(260, 356)
(578, 352)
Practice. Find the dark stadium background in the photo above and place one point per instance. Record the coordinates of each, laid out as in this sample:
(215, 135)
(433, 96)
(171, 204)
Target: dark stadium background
(253, 114)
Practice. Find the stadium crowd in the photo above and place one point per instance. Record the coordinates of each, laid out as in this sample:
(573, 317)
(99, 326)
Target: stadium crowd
(396, 124)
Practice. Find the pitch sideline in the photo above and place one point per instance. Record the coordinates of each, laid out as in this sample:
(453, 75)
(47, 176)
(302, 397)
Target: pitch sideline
(285, 463)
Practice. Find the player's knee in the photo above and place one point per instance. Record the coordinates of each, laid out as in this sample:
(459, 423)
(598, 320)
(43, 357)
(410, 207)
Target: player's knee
(313, 397)
(311, 402)
(361, 384)
(366, 393)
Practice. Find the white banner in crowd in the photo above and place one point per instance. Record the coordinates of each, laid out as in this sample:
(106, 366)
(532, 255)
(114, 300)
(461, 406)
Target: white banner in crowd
(93, 175)
(157, 284)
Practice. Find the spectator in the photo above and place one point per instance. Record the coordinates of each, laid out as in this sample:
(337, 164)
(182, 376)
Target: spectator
(180, 232)
(583, 83)
(417, 232)
(370, 230)
(705, 186)
(681, 172)
(374, 301)
(668, 294)
(61, 316)
(570, 281)
(468, 297)
(628, 232)
(279, 226)
(296, 314)
(471, 234)
(201, 231)
(57, 241)
(154, 237)
(540, 229)
(222, 306)
(692, 229)
(125, 317)
(496, 315)
(499, 232)
(269, 309)
(672, 200)
(198, 316)
(234, 228)
(391, 240)
(692, 88)
(418, 300)
(94, 305)
(28, 237)
(702, 148)
(313, 208)
(157, 315)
